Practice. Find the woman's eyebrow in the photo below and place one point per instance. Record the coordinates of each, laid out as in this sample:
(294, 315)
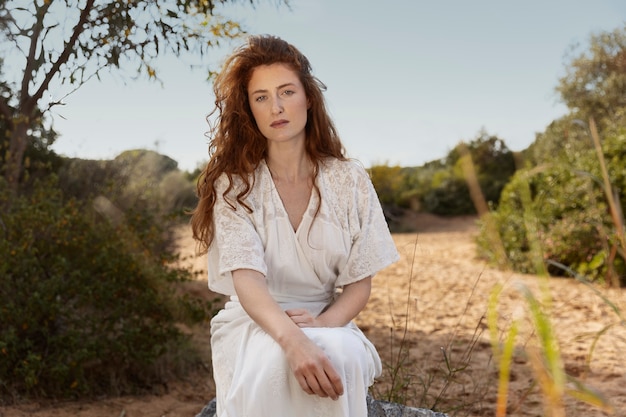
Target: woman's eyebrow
(262, 90)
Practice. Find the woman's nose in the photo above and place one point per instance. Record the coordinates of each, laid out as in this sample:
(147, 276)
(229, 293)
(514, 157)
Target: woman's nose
(277, 106)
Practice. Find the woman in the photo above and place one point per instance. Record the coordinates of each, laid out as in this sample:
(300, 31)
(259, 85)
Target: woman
(294, 233)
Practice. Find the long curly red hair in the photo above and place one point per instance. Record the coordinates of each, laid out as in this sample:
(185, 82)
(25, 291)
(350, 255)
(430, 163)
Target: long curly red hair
(236, 145)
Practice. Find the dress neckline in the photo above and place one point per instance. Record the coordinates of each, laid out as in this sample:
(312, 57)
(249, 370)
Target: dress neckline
(276, 195)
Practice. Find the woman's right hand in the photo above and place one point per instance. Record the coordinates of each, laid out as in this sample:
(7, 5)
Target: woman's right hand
(310, 365)
(313, 369)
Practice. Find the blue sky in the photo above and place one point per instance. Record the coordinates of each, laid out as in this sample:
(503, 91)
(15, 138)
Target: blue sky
(407, 80)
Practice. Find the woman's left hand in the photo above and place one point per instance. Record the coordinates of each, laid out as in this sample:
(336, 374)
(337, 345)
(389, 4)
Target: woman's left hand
(303, 318)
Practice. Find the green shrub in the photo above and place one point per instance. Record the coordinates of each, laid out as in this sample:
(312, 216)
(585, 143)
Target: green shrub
(443, 185)
(87, 306)
(136, 179)
(562, 207)
(448, 197)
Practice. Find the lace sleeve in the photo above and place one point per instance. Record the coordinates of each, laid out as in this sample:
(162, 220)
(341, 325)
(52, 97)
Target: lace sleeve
(373, 247)
(236, 244)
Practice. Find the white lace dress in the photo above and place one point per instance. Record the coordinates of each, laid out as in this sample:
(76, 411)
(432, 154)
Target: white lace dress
(346, 241)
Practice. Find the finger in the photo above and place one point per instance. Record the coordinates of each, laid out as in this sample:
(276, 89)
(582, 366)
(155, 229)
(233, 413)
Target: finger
(316, 386)
(299, 321)
(326, 381)
(295, 312)
(326, 388)
(335, 385)
(304, 385)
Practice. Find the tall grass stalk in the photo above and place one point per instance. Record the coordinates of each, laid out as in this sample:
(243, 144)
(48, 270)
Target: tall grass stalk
(454, 367)
(399, 381)
(431, 389)
(621, 321)
(482, 208)
(502, 354)
(617, 215)
(545, 356)
(544, 353)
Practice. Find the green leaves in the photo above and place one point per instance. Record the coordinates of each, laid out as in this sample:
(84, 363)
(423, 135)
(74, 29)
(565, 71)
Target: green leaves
(595, 82)
(86, 306)
(565, 211)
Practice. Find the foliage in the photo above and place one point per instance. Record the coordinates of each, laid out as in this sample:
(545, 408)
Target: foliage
(595, 81)
(447, 195)
(441, 186)
(446, 191)
(154, 180)
(38, 157)
(493, 162)
(400, 186)
(134, 179)
(88, 305)
(562, 140)
(387, 181)
(564, 208)
(71, 41)
(543, 351)
(569, 214)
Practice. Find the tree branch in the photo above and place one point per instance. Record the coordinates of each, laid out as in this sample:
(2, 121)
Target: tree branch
(60, 102)
(30, 57)
(63, 58)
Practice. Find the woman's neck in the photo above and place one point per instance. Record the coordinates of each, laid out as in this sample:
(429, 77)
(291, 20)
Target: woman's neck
(291, 167)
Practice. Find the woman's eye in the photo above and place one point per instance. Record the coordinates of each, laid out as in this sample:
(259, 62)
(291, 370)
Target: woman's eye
(288, 92)
(260, 99)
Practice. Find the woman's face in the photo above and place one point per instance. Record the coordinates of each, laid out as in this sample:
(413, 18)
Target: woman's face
(278, 103)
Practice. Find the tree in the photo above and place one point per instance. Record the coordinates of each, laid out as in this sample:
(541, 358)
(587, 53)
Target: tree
(72, 41)
(562, 140)
(493, 164)
(387, 181)
(595, 80)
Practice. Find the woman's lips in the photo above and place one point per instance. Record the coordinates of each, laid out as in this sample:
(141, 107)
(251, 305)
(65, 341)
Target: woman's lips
(279, 123)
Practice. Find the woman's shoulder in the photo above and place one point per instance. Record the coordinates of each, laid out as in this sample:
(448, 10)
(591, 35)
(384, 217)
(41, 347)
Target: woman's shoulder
(344, 173)
(343, 167)
(344, 178)
(235, 183)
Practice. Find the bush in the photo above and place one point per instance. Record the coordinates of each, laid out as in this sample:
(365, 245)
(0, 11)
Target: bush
(448, 197)
(136, 179)
(558, 213)
(87, 305)
(442, 186)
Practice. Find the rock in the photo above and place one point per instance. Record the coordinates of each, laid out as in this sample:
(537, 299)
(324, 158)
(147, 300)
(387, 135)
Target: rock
(375, 408)
(208, 410)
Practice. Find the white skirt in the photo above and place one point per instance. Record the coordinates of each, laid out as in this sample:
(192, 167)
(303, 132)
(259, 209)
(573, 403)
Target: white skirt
(253, 377)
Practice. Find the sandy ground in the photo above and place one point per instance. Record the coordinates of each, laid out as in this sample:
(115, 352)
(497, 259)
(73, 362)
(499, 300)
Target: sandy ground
(427, 318)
